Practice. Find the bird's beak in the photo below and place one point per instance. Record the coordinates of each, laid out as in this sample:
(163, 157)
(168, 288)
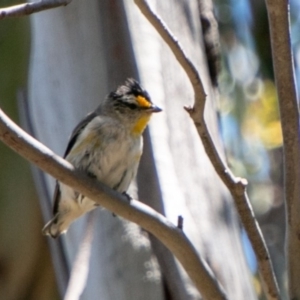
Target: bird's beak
(154, 109)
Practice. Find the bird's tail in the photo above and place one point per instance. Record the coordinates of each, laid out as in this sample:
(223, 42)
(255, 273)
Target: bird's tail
(54, 228)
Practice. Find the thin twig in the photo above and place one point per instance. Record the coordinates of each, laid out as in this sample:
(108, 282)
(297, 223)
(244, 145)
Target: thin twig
(30, 8)
(236, 186)
(278, 12)
(135, 211)
(180, 222)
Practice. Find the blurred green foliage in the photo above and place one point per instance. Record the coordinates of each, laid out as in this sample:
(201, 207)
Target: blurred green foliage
(25, 264)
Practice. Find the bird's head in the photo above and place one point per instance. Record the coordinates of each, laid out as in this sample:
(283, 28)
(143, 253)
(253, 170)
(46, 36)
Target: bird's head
(132, 105)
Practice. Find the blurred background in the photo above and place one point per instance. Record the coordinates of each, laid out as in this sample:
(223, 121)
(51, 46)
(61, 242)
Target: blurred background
(248, 121)
(25, 264)
(249, 113)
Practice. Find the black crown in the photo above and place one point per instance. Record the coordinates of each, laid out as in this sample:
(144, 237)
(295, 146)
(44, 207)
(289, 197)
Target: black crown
(131, 86)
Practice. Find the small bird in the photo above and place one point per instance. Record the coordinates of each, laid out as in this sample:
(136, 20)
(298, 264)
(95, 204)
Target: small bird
(107, 145)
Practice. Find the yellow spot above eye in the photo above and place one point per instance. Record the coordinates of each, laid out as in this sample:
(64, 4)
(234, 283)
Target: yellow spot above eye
(143, 102)
(140, 125)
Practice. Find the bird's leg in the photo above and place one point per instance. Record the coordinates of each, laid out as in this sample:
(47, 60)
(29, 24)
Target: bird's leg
(128, 197)
(91, 175)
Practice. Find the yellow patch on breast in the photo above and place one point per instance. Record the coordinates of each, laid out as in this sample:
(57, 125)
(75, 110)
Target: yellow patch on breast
(140, 125)
(138, 157)
(143, 102)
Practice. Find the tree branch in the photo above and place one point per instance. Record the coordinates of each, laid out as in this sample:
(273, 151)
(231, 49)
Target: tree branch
(178, 52)
(135, 211)
(236, 186)
(278, 12)
(30, 8)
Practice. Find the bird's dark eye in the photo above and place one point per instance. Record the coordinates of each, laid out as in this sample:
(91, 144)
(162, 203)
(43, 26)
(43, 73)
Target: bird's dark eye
(131, 105)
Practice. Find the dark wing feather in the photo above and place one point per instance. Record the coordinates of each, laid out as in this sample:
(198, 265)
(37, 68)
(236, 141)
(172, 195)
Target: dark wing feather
(56, 197)
(78, 129)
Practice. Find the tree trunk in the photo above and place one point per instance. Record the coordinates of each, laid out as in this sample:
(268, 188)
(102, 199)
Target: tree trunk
(81, 52)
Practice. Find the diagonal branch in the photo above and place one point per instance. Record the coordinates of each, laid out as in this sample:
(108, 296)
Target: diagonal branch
(178, 52)
(30, 8)
(237, 186)
(278, 12)
(172, 237)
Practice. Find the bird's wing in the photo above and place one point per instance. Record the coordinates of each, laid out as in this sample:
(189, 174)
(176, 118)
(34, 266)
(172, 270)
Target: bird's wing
(78, 129)
(56, 197)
